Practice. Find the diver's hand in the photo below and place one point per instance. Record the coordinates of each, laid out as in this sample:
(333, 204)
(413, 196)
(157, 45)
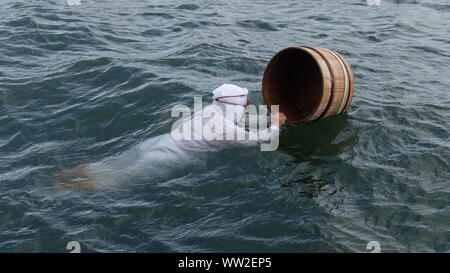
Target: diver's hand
(278, 119)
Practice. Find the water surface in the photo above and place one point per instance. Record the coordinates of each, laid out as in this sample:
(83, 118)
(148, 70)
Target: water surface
(85, 82)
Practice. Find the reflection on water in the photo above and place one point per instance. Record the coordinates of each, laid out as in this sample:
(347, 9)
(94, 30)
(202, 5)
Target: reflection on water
(314, 145)
(318, 138)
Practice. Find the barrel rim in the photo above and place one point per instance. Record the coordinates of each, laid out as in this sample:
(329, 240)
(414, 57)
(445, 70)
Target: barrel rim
(302, 49)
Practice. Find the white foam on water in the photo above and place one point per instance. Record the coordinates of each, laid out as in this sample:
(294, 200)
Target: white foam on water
(73, 2)
(374, 2)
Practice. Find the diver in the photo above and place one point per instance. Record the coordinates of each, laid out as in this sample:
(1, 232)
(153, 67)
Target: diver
(182, 146)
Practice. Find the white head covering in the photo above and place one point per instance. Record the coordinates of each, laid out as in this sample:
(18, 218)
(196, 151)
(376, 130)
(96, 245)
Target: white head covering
(225, 91)
(233, 107)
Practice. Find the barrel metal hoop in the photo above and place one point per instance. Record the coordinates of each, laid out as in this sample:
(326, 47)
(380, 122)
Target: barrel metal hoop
(346, 82)
(332, 79)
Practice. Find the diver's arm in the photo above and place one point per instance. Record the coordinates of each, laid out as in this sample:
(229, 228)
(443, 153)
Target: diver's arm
(256, 137)
(264, 135)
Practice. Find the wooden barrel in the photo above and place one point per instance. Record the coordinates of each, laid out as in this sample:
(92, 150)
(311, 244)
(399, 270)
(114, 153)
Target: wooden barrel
(308, 83)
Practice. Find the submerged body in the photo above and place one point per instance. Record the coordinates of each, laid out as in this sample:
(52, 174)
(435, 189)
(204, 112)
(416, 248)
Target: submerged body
(159, 155)
(152, 157)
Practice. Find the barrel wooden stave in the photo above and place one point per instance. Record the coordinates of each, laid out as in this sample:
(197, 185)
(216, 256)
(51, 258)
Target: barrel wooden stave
(328, 94)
